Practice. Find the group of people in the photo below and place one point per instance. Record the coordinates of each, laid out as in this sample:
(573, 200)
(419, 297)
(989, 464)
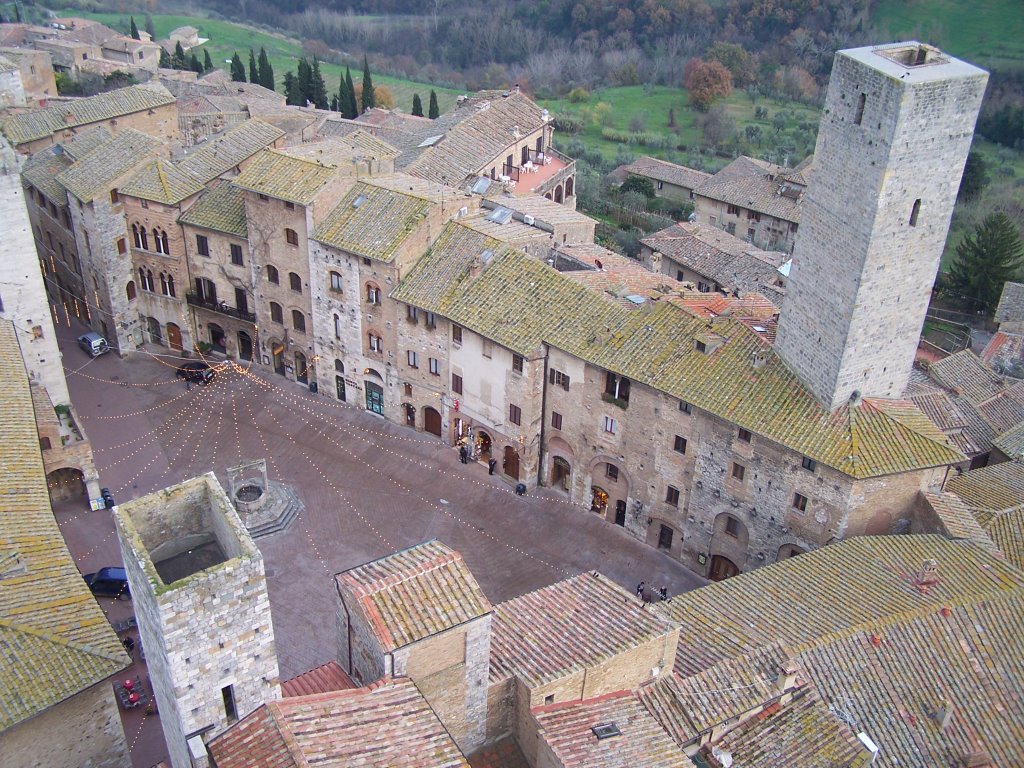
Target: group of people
(464, 458)
(641, 592)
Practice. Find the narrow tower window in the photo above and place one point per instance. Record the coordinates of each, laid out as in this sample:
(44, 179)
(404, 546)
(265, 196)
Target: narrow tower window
(914, 212)
(861, 101)
(228, 695)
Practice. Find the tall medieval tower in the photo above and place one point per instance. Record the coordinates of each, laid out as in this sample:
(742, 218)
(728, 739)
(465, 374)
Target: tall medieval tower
(893, 140)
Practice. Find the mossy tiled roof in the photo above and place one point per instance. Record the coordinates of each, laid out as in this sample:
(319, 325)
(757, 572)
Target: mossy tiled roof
(284, 177)
(1011, 442)
(54, 639)
(161, 182)
(41, 171)
(219, 155)
(221, 209)
(990, 489)
(41, 123)
(97, 171)
(656, 347)
(372, 221)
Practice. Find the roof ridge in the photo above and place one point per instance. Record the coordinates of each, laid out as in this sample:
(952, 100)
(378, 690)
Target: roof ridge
(57, 639)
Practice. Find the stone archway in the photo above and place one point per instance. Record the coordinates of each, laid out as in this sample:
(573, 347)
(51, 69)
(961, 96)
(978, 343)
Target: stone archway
(65, 484)
(570, 185)
(558, 193)
(561, 474)
(432, 421)
(174, 337)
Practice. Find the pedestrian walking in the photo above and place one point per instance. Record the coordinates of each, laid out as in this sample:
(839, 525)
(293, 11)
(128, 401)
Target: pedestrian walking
(463, 454)
(640, 589)
(663, 593)
(491, 464)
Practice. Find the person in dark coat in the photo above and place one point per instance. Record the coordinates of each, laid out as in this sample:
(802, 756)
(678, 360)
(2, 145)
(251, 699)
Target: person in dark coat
(640, 589)
(491, 464)
(463, 454)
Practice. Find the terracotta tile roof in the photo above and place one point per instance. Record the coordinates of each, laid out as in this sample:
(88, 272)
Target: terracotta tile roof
(566, 730)
(542, 636)
(41, 171)
(504, 753)
(385, 725)
(1011, 303)
(732, 263)
(662, 170)
(85, 142)
(55, 639)
(1006, 529)
(372, 221)
(323, 679)
(958, 521)
(543, 210)
(219, 155)
(1002, 412)
(221, 209)
(483, 134)
(161, 182)
(1011, 442)
(100, 169)
(752, 184)
(990, 489)
(284, 177)
(948, 416)
(964, 372)
(39, 124)
(1004, 350)
(414, 593)
(656, 348)
(830, 590)
(803, 733)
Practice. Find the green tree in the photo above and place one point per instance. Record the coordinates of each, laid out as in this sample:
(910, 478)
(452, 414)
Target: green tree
(292, 92)
(317, 89)
(149, 27)
(178, 60)
(369, 99)
(134, 30)
(734, 58)
(237, 69)
(432, 111)
(207, 61)
(639, 184)
(344, 99)
(305, 81)
(165, 59)
(975, 177)
(334, 102)
(417, 105)
(353, 109)
(985, 259)
(194, 64)
(254, 75)
(266, 71)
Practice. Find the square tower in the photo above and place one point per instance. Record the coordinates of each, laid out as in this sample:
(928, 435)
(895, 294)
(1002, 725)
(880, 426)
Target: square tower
(893, 140)
(201, 602)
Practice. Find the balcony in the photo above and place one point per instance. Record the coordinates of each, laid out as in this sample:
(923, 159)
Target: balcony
(220, 307)
(542, 173)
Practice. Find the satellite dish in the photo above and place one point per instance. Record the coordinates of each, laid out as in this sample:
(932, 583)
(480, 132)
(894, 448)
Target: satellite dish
(598, 263)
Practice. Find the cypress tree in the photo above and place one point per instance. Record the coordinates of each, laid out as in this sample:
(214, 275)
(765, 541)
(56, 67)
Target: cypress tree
(178, 60)
(165, 59)
(266, 71)
(194, 65)
(318, 91)
(134, 30)
(350, 89)
(254, 75)
(334, 103)
(369, 100)
(149, 27)
(433, 112)
(207, 61)
(342, 98)
(237, 69)
(417, 105)
(292, 93)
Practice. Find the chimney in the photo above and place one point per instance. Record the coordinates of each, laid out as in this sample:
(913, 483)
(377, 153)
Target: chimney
(944, 716)
(759, 358)
(785, 683)
(977, 760)
(927, 577)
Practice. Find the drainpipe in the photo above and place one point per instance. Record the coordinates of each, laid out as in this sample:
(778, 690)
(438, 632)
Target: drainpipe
(543, 418)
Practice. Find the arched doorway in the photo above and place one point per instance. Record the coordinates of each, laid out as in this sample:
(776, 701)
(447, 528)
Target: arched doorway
(561, 473)
(65, 484)
(483, 445)
(558, 193)
(153, 327)
(722, 568)
(301, 369)
(511, 462)
(410, 414)
(217, 337)
(570, 184)
(277, 350)
(432, 421)
(244, 345)
(598, 500)
(174, 336)
(374, 398)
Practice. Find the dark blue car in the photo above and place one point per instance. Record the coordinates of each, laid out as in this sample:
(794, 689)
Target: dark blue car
(109, 582)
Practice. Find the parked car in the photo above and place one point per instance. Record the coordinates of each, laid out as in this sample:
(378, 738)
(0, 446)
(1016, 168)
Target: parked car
(109, 582)
(93, 344)
(197, 371)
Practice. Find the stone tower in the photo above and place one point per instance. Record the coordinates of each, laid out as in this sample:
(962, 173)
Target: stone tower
(200, 596)
(893, 140)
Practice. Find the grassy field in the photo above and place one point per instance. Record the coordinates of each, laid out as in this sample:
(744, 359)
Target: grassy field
(989, 33)
(225, 38)
(651, 105)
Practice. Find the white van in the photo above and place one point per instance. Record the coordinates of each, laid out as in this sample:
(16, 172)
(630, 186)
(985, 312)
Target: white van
(93, 344)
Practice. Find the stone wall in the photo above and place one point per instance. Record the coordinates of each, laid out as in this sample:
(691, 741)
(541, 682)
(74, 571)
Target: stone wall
(83, 731)
(12, 93)
(160, 122)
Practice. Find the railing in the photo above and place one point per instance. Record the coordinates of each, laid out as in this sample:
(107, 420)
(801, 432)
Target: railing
(220, 307)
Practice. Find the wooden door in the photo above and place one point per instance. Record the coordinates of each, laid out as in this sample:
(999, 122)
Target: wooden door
(432, 421)
(722, 568)
(174, 336)
(511, 463)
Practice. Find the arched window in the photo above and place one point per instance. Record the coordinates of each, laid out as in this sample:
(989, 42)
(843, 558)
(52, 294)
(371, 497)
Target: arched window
(339, 366)
(276, 313)
(163, 283)
(135, 236)
(130, 290)
(156, 240)
(163, 239)
(272, 276)
(145, 279)
(295, 282)
(298, 320)
(372, 294)
(336, 283)
(170, 285)
(144, 237)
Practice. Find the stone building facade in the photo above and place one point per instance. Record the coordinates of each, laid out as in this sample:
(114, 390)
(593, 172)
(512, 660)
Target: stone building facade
(894, 137)
(200, 595)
